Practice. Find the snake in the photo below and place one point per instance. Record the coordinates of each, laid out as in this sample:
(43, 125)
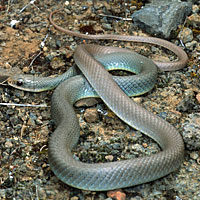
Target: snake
(94, 80)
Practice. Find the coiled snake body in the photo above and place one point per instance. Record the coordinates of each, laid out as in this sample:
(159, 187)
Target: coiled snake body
(107, 176)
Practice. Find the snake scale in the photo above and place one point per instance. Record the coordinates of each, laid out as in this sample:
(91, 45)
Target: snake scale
(119, 174)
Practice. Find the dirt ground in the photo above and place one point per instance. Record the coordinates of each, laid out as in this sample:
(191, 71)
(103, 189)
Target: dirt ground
(33, 46)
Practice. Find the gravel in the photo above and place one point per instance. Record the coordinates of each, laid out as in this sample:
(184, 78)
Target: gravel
(24, 131)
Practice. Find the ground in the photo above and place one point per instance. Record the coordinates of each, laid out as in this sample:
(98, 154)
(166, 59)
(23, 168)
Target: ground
(24, 167)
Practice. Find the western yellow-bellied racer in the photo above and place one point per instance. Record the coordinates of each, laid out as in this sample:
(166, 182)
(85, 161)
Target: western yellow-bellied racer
(107, 176)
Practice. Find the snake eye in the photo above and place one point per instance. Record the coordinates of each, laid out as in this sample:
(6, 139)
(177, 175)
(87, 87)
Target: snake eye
(20, 82)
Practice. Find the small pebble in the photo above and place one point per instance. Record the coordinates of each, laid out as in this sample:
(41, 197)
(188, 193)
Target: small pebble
(109, 158)
(8, 144)
(195, 9)
(186, 35)
(91, 115)
(191, 45)
(22, 159)
(74, 198)
(66, 3)
(198, 97)
(26, 69)
(116, 194)
(107, 27)
(194, 155)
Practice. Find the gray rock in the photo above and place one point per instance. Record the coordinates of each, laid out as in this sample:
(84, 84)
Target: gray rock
(107, 27)
(162, 17)
(188, 102)
(191, 132)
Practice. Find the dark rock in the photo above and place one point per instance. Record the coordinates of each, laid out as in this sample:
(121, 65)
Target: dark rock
(191, 130)
(188, 103)
(162, 17)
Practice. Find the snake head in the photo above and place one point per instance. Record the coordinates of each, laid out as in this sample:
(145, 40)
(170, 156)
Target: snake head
(23, 82)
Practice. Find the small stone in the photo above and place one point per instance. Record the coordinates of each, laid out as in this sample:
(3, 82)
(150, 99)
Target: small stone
(194, 155)
(191, 45)
(109, 158)
(38, 122)
(145, 145)
(137, 100)
(136, 198)
(116, 194)
(195, 9)
(86, 102)
(31, 122)
(186, 35)
(83, 124)
(45, 48)
(107, 27)
(101, 131)
(194, 20)
(3, 193)
(8, 144)
(58, 43)
(15, 24)
(68, 54)
(188, 101)
(133, 8)
(91, 115)
(191, 130)
(66, 3)
(57, 63)
(74, 198)
(26, 69)
(116, 146)
(8, 66)
(67, 11)
(137, 147)
(102, 196)
(198, 97)
(197, 47)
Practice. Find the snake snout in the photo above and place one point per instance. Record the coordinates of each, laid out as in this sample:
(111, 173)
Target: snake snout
(22, 82)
